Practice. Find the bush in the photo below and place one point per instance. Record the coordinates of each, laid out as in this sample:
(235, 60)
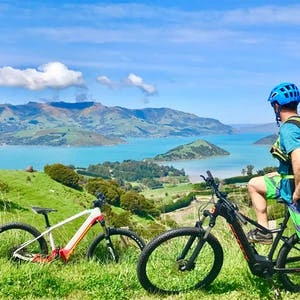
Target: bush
(108, 188)
(180, 203)
(63, 174)
(138, 204)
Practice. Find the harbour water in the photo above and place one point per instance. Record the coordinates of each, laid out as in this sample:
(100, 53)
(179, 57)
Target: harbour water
(242, 153)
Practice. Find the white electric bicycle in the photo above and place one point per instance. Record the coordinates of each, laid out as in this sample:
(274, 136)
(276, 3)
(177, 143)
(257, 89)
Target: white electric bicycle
(23, 242)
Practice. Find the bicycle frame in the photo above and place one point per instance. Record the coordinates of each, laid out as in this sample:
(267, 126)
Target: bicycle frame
(95, 216)
(263, 266)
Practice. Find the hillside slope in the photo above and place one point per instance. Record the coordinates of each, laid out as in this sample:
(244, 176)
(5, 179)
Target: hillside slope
(267, 140)
(62, 136)
(20, 190)
(196, 150)
(17, 121)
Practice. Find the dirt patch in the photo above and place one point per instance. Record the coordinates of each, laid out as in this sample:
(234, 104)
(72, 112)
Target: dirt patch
(187, 216)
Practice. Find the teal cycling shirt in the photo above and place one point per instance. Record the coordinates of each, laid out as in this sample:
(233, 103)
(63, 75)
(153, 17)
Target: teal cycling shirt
(289, 141)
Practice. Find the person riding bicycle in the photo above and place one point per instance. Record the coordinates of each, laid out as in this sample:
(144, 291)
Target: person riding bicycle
(284, 184)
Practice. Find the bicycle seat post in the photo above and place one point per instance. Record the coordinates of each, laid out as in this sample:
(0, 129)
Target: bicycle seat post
(47, 220)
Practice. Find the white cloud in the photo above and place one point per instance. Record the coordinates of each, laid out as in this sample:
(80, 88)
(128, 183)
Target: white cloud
(131, 80)
(134, 80)
(51, 75)
(106, 81)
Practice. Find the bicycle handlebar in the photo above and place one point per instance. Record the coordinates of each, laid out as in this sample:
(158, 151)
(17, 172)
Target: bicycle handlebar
(210, 180)
(222, 196)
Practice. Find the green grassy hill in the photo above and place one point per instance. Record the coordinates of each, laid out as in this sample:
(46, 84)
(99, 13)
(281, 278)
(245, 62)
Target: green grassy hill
(62, 136)
(82, 279)
(196, 150)
(20, 190)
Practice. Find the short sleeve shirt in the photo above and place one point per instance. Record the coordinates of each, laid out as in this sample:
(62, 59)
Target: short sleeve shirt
(289, 137)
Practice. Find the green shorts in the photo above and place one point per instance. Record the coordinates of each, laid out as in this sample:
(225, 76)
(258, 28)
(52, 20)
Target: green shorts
(273, 192)
(272, 186)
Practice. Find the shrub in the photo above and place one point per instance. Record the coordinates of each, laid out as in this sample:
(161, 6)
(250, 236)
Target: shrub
(108, 188)
(63, 174)
(138, 204)
(180, 203)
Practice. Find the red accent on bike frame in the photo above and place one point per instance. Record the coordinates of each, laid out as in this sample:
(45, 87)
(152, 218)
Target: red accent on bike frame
(239, 242)
(64, 253)
(43, 259)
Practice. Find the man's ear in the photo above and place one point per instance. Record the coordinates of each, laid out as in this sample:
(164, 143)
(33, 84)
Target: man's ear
(276, 107)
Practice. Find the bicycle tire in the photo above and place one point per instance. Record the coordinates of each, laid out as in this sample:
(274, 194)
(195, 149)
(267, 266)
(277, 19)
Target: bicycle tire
(13, 235)
(159, 270)
(289, 257)
(127, 247)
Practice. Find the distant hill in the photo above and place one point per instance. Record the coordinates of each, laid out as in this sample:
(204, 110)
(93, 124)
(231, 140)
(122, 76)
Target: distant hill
(268, 140)
(267, 127)
(32, 119)
(63, 136)
(196, 150)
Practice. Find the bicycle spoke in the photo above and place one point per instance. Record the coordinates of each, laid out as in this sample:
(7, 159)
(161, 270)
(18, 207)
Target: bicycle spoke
(124, 246)
(165, 265)
(13, 236)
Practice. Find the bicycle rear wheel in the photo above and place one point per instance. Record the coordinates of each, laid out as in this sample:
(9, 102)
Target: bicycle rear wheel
(126, 247)
(163, 269)
(13, 235)
(288, 258)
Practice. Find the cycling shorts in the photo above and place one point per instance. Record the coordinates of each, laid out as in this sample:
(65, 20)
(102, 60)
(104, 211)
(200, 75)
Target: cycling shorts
(272, 186)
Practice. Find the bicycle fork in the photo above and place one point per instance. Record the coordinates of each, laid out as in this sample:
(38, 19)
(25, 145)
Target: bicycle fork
(109, 243)
(187, 265)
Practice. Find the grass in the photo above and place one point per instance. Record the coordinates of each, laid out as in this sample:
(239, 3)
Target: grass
(168, 193)
(82, 279)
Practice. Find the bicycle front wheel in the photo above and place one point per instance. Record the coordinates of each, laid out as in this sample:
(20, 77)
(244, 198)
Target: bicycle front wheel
(14, 235)
(289, 259)
(163, 265)
(121, 245)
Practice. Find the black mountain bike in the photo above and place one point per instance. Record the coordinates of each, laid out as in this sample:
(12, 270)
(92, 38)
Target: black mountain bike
(187, 258)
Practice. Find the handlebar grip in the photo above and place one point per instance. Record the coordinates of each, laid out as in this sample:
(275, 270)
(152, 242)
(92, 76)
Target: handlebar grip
(209, 174)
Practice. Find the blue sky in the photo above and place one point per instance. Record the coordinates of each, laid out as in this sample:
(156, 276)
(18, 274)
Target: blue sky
(217, 59)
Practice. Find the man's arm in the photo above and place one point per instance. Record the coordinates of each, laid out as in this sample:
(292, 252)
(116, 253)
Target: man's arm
(295, 155)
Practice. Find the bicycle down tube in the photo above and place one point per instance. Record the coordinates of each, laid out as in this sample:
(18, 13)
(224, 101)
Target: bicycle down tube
(65, 252)
(257, 263)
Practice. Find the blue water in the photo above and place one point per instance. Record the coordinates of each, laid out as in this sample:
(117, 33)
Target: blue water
(241, 147)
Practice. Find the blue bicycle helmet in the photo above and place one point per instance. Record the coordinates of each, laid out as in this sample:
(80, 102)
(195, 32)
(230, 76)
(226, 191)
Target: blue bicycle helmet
(284, 93)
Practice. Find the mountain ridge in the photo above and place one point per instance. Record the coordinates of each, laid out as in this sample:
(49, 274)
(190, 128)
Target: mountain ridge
(111, 122)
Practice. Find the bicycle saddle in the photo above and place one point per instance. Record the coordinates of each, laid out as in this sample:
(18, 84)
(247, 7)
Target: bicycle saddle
(41, 210)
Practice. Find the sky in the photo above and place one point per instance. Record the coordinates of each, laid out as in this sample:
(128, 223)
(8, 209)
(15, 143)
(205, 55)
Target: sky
(216, 59)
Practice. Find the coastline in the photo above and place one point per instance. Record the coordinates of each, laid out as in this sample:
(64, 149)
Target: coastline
(240, 146)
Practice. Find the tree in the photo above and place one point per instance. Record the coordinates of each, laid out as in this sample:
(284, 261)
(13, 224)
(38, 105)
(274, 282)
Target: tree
(250, 170)
(108, 188)
(63, 174)
(138, 204)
